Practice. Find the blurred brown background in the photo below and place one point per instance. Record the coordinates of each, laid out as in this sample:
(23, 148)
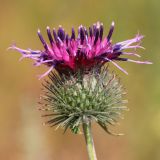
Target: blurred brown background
(22, 136)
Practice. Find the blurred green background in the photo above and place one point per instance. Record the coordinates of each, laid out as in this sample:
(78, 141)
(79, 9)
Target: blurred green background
(22, 135)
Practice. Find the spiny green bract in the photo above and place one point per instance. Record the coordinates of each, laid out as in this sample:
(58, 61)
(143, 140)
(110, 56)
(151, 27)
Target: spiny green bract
(95, 95)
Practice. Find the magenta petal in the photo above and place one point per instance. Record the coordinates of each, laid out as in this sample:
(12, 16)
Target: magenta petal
(70, 53)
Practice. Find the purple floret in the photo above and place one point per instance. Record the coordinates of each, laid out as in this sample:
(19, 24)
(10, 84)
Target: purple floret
(70, 53)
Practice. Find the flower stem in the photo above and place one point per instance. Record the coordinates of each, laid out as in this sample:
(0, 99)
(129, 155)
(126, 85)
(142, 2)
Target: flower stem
(89, 139)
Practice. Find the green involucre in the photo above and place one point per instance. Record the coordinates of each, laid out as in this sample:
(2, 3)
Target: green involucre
(95, 95)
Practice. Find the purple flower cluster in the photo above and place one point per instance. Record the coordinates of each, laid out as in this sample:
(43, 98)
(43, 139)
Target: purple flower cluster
(70, 53)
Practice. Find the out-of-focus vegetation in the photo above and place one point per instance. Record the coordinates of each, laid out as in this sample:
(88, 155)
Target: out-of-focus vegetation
(22, 136)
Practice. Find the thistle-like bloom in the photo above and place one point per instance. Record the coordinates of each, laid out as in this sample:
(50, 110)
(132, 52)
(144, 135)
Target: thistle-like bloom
(70, 53)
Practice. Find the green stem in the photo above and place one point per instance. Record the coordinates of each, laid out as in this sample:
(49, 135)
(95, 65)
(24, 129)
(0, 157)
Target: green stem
(89, 139)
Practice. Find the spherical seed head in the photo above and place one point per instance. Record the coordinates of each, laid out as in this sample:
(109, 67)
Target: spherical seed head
(95, 96)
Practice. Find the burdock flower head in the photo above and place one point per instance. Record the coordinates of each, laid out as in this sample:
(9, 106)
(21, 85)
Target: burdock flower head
(70, 53)
(81, 89)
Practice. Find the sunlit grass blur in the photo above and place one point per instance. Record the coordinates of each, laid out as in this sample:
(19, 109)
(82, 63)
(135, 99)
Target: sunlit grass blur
(22, 136)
